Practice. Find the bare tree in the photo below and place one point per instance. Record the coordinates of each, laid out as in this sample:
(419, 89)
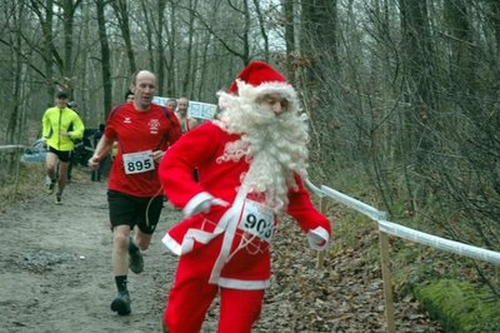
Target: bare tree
(15, 123)
(105, 55)
(189, 48)
(45, 15)
(170, 57)
(149, 33)
(121, 10)
(289, 24)
(262, 28)
(160, 45)
(69, 7)
(318, 62)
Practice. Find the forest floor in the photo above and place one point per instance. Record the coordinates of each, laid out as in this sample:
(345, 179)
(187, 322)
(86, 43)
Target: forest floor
(55, 273)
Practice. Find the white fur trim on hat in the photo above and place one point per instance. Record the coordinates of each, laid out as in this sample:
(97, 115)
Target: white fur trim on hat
(252, 92)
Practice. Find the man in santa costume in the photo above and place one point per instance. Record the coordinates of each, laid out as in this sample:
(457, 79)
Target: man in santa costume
(251, 163)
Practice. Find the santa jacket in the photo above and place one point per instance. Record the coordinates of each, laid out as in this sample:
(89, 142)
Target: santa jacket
(242, 260)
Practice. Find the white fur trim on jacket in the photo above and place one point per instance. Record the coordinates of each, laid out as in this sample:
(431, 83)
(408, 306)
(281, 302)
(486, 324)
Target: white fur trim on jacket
(193, 205)
(318, 238)
(196, 235)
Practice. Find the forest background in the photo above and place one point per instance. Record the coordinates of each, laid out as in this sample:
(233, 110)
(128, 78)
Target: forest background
(403, 95)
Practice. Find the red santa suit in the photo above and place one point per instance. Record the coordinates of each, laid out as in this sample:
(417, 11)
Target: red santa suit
(225, 240)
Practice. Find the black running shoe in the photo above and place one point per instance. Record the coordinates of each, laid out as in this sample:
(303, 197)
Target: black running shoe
(58, 199)
(136, 263)
(50, 187)
(121, 304)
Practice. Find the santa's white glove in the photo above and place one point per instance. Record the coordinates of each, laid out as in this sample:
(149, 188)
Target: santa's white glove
(318, 238)
(205, 206)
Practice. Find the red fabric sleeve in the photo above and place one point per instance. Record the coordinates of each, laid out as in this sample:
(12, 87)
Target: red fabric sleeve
(196, 148)
(303, 211)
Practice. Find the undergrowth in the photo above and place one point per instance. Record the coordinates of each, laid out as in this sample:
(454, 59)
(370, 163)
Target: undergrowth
(420, 270)
(29, 184)
(439, 280)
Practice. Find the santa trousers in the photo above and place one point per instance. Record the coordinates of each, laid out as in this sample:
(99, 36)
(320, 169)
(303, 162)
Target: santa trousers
(191, 296)
(188, 304)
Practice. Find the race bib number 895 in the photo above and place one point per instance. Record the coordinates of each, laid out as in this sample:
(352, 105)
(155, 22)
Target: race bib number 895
(257, 220)
(138, 162)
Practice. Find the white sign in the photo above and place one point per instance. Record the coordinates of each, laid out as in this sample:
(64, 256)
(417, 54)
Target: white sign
(160, 100)
(196, 109)
(202, 110)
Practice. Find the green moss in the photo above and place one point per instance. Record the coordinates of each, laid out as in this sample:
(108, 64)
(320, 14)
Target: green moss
(460, 307)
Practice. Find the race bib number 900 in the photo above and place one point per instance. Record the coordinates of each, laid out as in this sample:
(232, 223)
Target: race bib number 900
(138, 162)
(257, 220)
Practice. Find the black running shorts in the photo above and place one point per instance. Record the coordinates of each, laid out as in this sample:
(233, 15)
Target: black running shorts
(130, 210)
(63, 156)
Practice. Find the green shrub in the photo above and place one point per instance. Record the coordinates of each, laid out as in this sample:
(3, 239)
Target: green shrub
(460, 306)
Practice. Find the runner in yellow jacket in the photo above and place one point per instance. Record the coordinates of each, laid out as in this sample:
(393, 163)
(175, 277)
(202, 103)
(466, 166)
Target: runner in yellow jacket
(60, 126)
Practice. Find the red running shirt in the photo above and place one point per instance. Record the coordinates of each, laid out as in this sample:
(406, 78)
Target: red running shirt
(135, 131)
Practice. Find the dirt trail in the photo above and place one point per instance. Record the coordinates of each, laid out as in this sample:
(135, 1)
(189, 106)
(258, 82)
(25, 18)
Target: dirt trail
(55, 267)
(55, 274)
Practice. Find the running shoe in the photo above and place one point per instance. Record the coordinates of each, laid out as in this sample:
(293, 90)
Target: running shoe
(136, 262)
(58, 199)
(50, 187)
(121, 304)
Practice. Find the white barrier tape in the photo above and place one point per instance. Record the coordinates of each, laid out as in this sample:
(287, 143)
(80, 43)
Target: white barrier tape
(405, 232)
(361, 207)
(314, 188)
(12, 147)
(439, 243)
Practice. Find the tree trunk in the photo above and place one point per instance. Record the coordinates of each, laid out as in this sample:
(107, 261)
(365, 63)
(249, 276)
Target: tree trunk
(122, 14)
(291, 54)
(46, 18)
(186, 81)
(67, 71)
(160, 48)
(319, 37)
(105, 56)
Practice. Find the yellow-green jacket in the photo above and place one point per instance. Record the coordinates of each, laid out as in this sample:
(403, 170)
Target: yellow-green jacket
(57, 120)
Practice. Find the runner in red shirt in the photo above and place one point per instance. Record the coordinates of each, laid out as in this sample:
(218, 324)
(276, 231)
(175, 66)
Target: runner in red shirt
(143, 132)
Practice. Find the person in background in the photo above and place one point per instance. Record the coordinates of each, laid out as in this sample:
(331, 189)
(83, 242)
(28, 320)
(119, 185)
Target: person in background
(129, 96)
(252, 163)
(60, 126)
(187, 122)
(143, 131)
(172, 104)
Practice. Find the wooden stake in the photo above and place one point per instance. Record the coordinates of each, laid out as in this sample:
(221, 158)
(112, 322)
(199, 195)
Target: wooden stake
(386, 275)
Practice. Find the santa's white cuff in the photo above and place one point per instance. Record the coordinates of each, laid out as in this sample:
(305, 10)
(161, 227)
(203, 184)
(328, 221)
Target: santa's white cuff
(172, 244)
(193, 206)
(318, 238)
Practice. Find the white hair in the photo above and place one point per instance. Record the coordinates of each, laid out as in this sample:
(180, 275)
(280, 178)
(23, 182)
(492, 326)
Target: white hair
(274, 145)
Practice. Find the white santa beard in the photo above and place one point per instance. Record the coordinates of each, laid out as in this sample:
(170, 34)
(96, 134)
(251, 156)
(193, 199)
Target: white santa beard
(275, 147)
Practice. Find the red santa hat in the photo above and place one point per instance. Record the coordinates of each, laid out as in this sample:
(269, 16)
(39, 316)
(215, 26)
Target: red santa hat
(258, 79)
